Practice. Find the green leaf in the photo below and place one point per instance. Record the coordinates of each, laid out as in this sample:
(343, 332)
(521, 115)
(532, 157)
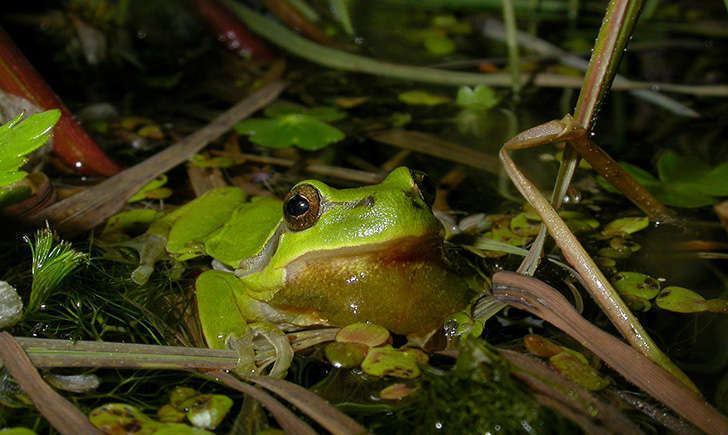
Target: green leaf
(627, 225)
(439, 45)
(154, 184)
(481, 97)
(422, 98)
(303, 131)
(681, 195)
(680, 300)
(322, 113)
(672, 168)
(20, 138)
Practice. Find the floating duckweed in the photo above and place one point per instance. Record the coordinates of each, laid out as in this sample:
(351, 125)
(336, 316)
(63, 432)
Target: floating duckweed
(575, 369)
(368, 334)
(628, 225)
(680, 300)
(345, 355)
(396, 391)
(541, 346)
(387, 361)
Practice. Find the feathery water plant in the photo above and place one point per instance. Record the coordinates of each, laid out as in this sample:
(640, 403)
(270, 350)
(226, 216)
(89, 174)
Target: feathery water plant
(53, 260)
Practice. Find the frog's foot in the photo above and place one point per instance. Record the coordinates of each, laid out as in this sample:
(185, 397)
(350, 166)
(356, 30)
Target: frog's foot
(260, 345)
(151, 248)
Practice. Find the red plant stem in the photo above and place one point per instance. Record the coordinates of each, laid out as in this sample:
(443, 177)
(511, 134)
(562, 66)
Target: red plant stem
(230, 31)
(71, 143)
(289, 15)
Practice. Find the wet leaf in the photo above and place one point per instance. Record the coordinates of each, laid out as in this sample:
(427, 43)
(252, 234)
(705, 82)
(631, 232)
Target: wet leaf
(169, 414)
(422, 98)
(207, 411)
(321, 113)
(523, 226)
(684, 181)
(345, 355)
(396, 391)
(152, 185)
(180, 395)
(368, 334)
(680, 300)
(439, 45)
(303, 131)
(387, 361)
(541, 346)
(628, 225)
(717, 305)
(120, 418)
(636, 284)
(481, 97)
(573, 368)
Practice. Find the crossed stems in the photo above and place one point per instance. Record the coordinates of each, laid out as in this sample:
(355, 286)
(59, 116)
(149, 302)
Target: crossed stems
(570, 131)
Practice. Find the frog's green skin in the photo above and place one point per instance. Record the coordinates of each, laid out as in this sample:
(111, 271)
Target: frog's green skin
(371, 253)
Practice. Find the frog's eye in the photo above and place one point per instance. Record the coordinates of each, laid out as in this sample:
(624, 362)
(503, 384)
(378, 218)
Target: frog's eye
(302, 207)
(425, 186)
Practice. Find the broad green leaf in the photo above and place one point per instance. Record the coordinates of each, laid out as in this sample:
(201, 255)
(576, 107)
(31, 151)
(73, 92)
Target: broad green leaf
(672, 168)
(680, 300)
(636, 284)
(681, 195)
(481, 97)
(303, 131)
(20, 138)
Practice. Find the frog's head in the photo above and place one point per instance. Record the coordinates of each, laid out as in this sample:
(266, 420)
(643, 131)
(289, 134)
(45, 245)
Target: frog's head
(320, 218)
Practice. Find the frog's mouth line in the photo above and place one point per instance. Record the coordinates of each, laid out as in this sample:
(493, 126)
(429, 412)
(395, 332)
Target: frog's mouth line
(400, 249)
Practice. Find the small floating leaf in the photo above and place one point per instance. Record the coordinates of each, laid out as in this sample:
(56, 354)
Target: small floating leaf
(396, 391)
(169, 414)
(573, 368)
(180, 395)
(636, 284)
(439, 45)
(368, 334)
(207, 411)
(422, 98)
(152, 185)
(481, 97)
(627, 225)
(680, 300)
(345, 355)
(541, 346)
(386, 361)
(303, 131)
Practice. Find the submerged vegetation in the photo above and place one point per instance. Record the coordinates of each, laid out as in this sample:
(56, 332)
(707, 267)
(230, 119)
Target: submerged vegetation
(345, 92)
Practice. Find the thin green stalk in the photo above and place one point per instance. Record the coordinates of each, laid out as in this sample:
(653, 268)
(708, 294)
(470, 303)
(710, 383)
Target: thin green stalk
(509, 18)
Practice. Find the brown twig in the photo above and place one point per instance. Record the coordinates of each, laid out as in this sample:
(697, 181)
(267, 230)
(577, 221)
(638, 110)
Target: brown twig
(311, 404)
(434, 146)
(542, 300)
(59, 412)
(287, 419)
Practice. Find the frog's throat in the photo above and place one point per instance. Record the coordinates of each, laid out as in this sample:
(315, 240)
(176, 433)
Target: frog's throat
(259, 261)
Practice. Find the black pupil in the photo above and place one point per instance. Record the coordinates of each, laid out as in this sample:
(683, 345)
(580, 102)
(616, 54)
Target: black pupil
(297, 206)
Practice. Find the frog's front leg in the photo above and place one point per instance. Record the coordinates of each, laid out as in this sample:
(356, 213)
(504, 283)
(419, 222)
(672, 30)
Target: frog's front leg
(224, 310)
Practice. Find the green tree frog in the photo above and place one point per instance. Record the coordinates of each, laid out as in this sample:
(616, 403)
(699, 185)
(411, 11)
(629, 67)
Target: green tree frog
(321, 257)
